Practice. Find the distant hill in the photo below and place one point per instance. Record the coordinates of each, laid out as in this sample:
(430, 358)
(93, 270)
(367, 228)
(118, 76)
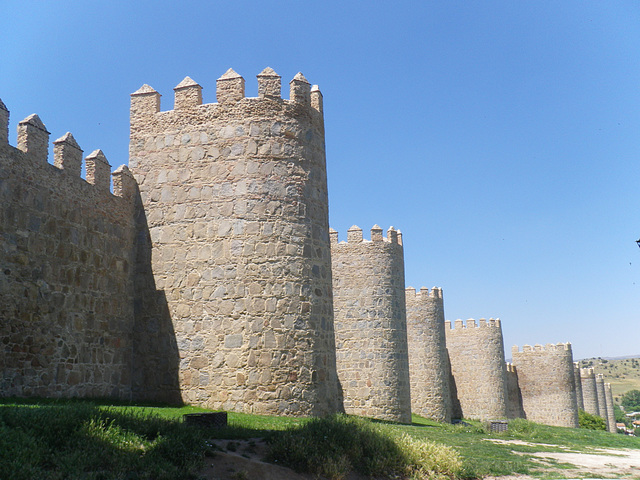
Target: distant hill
(623, 373)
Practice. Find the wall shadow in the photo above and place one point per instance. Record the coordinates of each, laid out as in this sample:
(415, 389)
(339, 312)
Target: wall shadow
(156, 360)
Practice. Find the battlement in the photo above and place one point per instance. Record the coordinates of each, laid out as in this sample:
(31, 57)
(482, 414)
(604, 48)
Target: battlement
(423, 293)
(230, 90)
(549, 347)
(511, 368)
(33, 142)
(471, 323)
(354, 236)
(587, 372)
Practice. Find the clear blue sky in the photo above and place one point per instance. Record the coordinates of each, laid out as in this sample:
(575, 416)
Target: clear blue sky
(501, 137)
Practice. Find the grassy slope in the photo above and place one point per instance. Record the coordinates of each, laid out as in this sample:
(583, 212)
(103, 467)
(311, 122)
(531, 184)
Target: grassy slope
(623, 375)
(77, 439)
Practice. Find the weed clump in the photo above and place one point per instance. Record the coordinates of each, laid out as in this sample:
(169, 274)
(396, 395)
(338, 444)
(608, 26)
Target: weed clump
(336, 445)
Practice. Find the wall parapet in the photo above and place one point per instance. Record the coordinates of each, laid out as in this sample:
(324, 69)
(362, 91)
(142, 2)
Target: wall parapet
(471, 323)
(354, 236)
(549, 347)
(424, 292)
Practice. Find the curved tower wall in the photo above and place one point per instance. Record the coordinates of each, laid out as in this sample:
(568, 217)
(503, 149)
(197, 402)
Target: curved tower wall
(545, 376)
(602, 401)
(578, 385)
(589, 391)
(514, 395)
(611, 416)
(428, 365)
(371, 324)
(234, 199)
(478, 369)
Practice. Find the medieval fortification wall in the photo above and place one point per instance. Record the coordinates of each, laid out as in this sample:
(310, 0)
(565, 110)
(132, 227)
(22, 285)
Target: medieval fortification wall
(478, 368)
(545, 377)
(578, 385)
(428, 361)
(206, 277)
(234, 196)
(611, 416)
(371, 324)
(66, 263)
(602, 399)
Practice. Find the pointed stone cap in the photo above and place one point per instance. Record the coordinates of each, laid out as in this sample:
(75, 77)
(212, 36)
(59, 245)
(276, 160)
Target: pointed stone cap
(376, 233)
(122, 170)
(34, 121)
(97, 155)
(268, 72)
(3, 106)
(187, 82)
(68, 139)
(269, 85)
(144, 90)
(392, 235)
(300, 78)
(333, 235)
(354, 234)
(230, 74)
(316, 98)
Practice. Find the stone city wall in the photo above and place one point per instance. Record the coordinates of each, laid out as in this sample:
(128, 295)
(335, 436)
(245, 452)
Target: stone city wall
(545, 377)
(428, 361)
(611, 416)
(602, 400)
(236, 264)
(371, 324)
(578, 385)
(478, 369)
(66, 264)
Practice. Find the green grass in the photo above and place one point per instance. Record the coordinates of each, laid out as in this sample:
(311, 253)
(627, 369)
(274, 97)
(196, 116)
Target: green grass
(85, 440)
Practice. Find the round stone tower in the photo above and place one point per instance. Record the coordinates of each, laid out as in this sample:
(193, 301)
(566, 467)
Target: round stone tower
(602, 400)
(478, 369)
(428, 364)
(589, 391)
(371, 324)
(233, 247)
(578, 383)
(545, 376)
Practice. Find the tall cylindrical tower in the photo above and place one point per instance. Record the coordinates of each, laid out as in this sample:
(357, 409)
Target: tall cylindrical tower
(578, 385)
(589, 391)
(371, 324)
(478, 369)
(611, 416)
(428, 364)
(233, 205)
(602, 400)
(545, 376)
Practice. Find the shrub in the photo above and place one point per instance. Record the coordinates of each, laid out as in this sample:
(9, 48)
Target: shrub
(591, 422)
(337, 445)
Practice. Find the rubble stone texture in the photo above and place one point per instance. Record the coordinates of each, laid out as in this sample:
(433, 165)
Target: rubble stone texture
(428, 361)
(611, 416)
(478, 384)
(589, 391)
(578, 385)
(545, 377)
(602, 400)
(371, 324)
(66, 263)
(236, 265)
(514, 395)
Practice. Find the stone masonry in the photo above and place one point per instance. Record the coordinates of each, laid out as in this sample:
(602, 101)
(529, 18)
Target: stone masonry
(371, 324)
(578, 385)
(545, 377)
(514, 395)
(589, 391)
(234, 197)
(602, 400)
(66, 263)
(428, 361)
(611, 416)
(478, 368)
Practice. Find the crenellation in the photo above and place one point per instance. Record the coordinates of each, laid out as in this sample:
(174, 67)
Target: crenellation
(124, 185)
(354, 234)
(230, 87)
(187, 94)
(300, 90)
(269, 84)
(33, 138)
(392, 235)
(589, 391)
(376, 234)
(4, 124)
(67, 155)
(98, 170)
(316, 99)
(144, 101)
(333, 236)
